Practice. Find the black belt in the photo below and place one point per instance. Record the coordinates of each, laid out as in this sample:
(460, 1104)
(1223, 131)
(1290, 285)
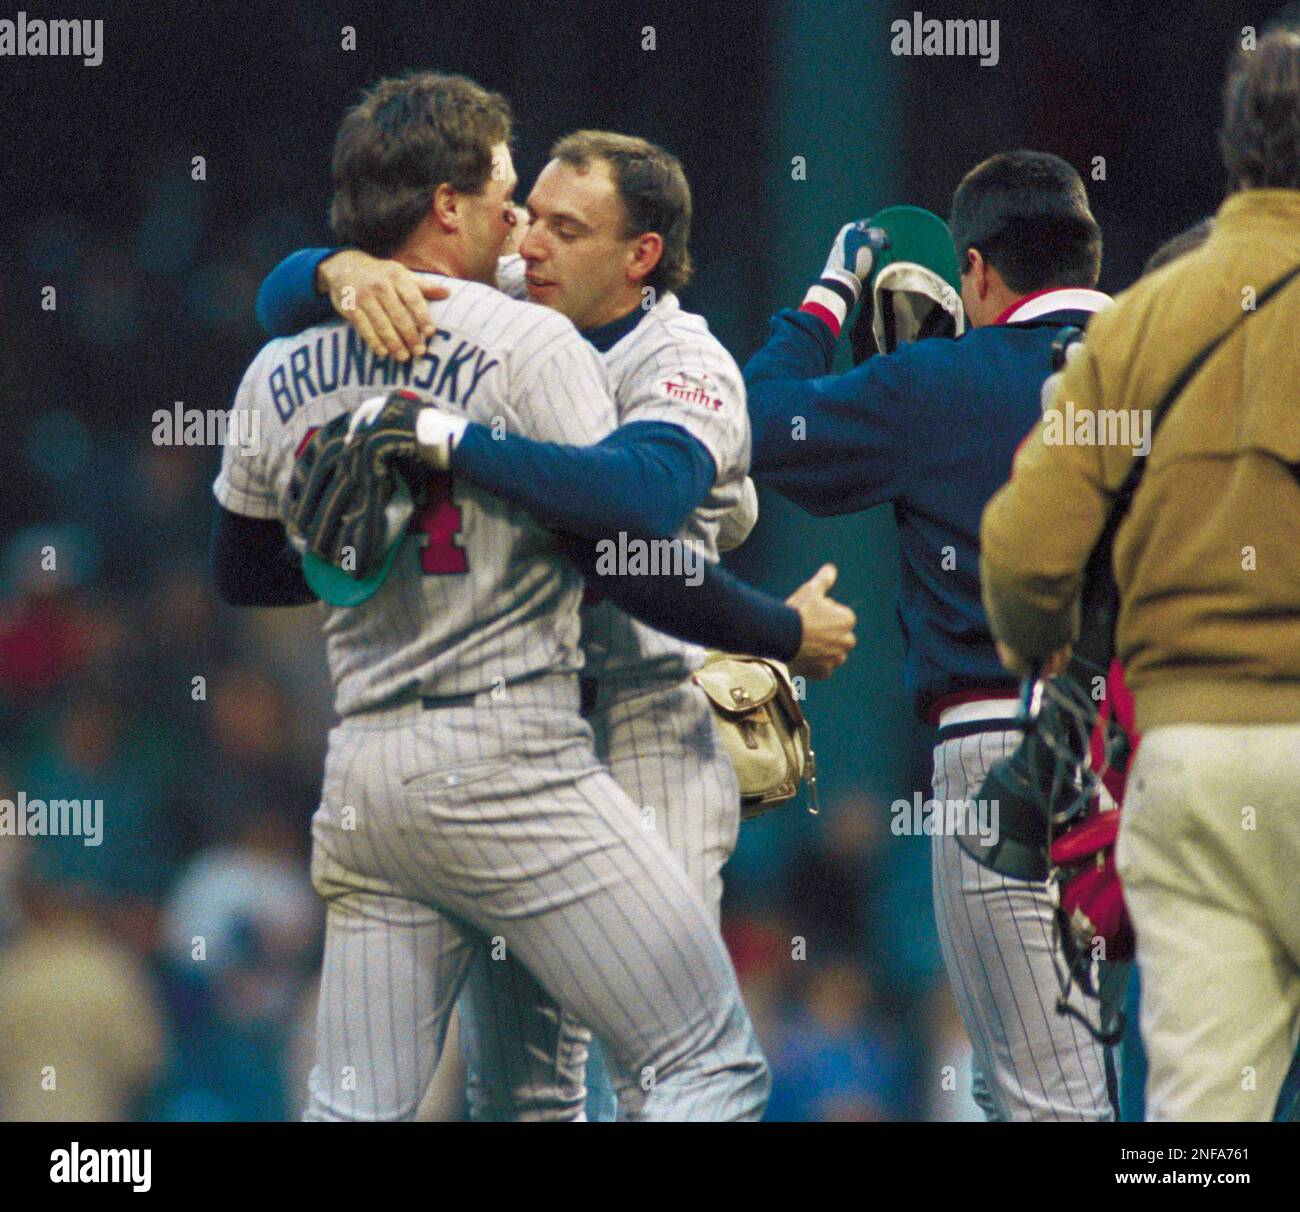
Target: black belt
(429, 703)
(950, 732)
(470, 699)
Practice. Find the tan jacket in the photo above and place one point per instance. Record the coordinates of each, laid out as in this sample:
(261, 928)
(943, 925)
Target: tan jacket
(1208, 559)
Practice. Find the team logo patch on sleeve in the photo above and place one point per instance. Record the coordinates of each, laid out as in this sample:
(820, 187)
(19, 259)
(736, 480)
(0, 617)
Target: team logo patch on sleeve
(688, 387)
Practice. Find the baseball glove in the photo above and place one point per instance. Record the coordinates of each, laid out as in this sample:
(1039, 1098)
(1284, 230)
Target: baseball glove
(383, 428)
(337, 504)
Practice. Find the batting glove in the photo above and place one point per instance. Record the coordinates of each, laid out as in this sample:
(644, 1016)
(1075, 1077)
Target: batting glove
(848, 267)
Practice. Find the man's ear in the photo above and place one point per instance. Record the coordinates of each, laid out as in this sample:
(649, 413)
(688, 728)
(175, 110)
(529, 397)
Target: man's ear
(445, 207)
(980, 268)
(645, 255)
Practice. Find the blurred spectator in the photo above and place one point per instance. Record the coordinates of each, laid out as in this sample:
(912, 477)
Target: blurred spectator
(247, 765)
(92, 755)
(830, 878)
(84, 1027)
(40, 645)
(240, 939)
(831, 1057)
(761, 951)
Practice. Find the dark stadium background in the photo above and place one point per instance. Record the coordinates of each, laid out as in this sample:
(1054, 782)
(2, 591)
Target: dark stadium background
(207, 802)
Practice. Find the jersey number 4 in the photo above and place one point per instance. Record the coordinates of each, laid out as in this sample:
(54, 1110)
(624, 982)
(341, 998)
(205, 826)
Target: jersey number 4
(439, 521)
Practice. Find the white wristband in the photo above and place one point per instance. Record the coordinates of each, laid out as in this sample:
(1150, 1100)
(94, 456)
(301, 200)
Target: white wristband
(437, 434)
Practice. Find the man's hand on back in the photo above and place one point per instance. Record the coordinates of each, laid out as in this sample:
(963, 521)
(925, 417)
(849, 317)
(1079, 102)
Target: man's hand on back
(383, 300)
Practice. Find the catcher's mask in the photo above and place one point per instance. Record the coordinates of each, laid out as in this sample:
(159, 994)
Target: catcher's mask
(915, 285)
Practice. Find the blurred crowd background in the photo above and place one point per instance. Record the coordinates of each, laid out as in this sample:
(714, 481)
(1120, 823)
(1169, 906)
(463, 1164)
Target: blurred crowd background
(169, 972)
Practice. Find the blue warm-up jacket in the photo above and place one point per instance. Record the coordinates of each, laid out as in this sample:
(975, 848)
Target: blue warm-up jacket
(930, 430)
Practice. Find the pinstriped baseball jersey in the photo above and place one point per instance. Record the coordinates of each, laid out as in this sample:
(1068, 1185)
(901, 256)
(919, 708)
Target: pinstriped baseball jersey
(511, 278)
(478, 594)
(656, 734)
(670, 368)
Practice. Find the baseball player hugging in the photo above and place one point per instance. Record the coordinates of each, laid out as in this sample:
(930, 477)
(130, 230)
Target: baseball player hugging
(606, 246)
(464, 807)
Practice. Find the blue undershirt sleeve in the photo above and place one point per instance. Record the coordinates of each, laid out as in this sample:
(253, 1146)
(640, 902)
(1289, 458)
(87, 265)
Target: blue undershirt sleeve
(288, 301)
(644, 479)
(831, 443)
(253, 563)
(719, 611)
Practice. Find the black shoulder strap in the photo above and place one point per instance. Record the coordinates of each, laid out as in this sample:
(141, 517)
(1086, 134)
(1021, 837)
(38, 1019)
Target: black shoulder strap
(1179, 385)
